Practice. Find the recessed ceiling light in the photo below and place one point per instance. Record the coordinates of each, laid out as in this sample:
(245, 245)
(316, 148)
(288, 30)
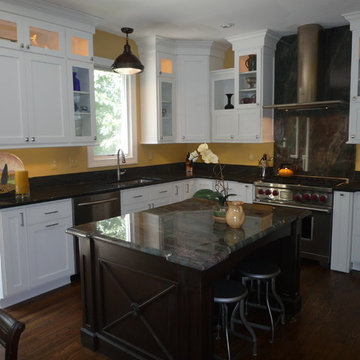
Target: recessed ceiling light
(227, 26)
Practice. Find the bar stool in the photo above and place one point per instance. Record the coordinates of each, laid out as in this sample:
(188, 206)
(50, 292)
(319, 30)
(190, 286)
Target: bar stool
(232, 292)
(263, 273)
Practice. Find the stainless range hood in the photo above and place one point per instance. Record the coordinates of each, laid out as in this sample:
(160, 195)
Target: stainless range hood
(308, 45)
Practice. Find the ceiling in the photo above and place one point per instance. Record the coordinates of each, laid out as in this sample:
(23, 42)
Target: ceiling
(202, 19)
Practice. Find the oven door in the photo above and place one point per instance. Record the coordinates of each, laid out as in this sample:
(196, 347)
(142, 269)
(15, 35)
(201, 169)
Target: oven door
(315, 241)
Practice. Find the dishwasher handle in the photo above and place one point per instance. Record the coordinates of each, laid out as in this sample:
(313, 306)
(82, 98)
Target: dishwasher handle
(98, 202)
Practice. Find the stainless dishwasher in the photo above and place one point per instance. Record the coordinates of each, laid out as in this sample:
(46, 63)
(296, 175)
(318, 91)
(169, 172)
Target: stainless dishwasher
(94, 207)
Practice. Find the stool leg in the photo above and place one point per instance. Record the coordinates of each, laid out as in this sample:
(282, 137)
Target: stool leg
(225, 309)
(248, 327)
(278, 299)
(269, 310)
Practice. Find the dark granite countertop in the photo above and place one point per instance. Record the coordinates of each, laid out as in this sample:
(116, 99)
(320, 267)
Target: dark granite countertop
(185, 232)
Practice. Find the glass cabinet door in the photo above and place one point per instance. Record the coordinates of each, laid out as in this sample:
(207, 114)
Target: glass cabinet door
(166, 109)
(79, 45)
(247, 79)
(10, 31)
(82, 102)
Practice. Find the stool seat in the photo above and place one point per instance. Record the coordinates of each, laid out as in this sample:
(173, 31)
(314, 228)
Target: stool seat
(229, 291)
(259, 270)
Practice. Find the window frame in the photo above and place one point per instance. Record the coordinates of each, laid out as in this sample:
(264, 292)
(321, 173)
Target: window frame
(132, 156)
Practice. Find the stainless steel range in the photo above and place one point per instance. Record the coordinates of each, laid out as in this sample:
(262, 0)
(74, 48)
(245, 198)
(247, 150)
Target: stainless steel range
(306, 192)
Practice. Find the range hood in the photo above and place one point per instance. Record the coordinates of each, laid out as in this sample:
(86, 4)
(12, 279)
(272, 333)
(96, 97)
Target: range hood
(308, 45)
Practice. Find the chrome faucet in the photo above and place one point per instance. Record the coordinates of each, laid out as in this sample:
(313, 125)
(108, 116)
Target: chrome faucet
(123, 161)
(263, 165)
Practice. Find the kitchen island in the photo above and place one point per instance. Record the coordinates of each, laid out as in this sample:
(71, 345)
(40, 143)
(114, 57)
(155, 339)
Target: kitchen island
(147, 277)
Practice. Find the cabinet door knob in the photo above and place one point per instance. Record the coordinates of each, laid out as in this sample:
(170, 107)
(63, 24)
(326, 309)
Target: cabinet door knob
(28, 46)
(27, 139)
(257, 136)
(32, 139)
(232, 136)
(353, 136)
(95, 137)
(183, 137)
(22, 45)
(354, 98)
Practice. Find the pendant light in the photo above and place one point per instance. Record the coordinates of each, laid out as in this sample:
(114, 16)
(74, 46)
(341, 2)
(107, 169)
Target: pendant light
(127, 63)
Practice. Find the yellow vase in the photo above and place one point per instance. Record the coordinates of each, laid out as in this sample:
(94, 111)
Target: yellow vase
(235, 215)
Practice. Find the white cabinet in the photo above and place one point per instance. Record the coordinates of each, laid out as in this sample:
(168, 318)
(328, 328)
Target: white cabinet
(147, 197)
(37, 106)
(355, 244)
(158, 90)
(354, 116)
(243, 192)
(183, 190)
(81, 102)
(342, 231)
(193, 93)
(36, 253)
(34, 99)
(253, 88)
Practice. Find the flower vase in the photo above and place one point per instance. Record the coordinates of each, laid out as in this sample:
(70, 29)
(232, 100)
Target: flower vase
(229, 105)
(235, 215)
(219, 213)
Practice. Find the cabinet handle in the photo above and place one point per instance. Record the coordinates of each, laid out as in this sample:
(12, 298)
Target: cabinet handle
(95, 138)
(177, 190)
(354, 98)
(27, 139)
(183, 137)
(28, 46)
(22, 45)
(153, 205)
(92, 59)
(98, 202)
(353, 136)
(232, 136)
(246, 186)
(341, 194)
(163, 192)
(50, 225)
(257, 136)
(137, 196)
(187, 188)
(51, 212)
(32, 139)
(149, 205)
(160, 72)
(22, 219)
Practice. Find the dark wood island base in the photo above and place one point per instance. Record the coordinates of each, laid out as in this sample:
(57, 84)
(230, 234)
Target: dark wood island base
(140, 305)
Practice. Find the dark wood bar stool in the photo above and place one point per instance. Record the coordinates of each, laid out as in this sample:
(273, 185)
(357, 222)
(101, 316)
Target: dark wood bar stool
(232, 292)
(263, 273)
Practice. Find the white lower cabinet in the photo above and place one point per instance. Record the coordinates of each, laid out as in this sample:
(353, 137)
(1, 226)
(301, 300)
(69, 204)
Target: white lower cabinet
(243, 192)
(183, 190)
(355, 245)
(342, 231)
(36, 253)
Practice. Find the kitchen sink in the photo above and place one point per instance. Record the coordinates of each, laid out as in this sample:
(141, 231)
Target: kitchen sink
(140, 181)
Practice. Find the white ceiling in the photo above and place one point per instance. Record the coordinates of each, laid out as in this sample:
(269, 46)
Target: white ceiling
(202, 19)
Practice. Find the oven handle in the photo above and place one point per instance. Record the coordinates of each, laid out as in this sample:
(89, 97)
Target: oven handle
(327, 211)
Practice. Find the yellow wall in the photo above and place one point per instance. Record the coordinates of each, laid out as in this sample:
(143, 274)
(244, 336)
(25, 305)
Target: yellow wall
(52, 161)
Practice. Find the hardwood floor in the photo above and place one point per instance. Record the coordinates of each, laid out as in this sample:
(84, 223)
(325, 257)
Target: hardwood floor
(328, 328)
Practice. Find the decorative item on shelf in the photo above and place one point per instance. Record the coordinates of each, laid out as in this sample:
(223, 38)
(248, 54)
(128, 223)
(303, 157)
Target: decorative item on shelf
(221, 193)
(189, 164)
(9, 163)
(84, 109)
(127, 63)
(253, 98)
(229, 105)
(22, 188)
(76, 82)
(235, 215)
(250, 62)
(251, 81)
(246, 100)
(285, 171)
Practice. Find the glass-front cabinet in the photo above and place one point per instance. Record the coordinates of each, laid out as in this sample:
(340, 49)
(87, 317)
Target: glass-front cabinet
(79, 45)
(247, 79)
(166, 110)
(82, 100)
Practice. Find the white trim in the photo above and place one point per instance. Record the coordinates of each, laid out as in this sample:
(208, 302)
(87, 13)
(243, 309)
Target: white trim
(132, 156)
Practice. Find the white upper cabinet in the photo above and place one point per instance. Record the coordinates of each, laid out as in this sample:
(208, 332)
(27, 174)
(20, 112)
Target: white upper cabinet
(253, 88)
(36, 56)
(157, 90)
(354, 116)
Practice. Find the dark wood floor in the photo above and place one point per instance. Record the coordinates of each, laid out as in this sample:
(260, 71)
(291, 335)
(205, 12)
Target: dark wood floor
(328, 328)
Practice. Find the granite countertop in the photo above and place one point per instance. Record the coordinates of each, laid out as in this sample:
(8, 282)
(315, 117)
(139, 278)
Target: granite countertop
(185, 233)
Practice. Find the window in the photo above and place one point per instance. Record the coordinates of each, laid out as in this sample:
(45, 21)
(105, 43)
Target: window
(115, 100)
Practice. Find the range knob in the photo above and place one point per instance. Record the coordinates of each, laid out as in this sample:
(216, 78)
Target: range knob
(314, 197)
(323, 198)
(307, 196)
(260, 191)
(275, 193)
(267, 192)
(297, 197)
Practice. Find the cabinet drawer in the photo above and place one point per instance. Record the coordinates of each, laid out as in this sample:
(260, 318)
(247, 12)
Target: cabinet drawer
(160, 191)
(49, 211)
(134, 196)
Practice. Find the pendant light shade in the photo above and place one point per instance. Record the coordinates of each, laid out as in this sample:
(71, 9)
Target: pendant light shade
(127, 63)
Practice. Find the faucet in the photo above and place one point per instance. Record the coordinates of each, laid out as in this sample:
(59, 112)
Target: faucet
(123, 161)
(263, 165)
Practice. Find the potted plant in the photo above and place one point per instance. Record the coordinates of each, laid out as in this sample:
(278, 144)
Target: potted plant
(220, 194)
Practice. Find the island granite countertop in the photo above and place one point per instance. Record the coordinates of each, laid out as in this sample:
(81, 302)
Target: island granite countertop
(185, 233)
